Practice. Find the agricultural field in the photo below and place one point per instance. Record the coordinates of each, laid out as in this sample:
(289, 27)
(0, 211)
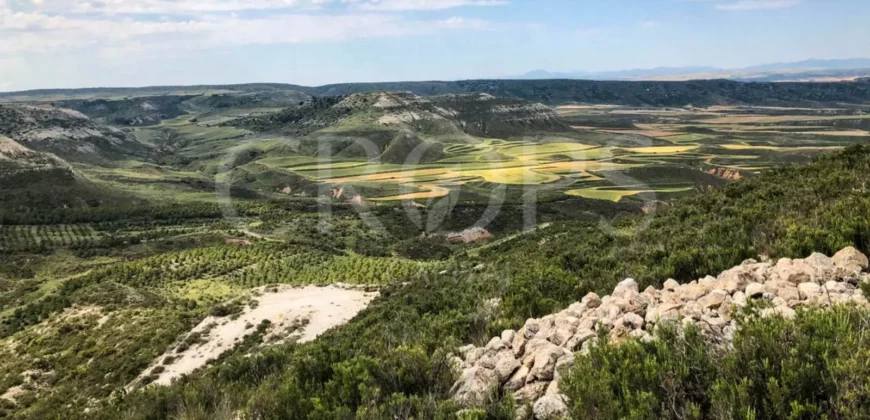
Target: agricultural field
(219, 149)
(178, 235)
(726, 142)
(598, 158)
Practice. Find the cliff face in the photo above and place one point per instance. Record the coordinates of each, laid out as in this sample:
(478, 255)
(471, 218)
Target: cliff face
(530, 362)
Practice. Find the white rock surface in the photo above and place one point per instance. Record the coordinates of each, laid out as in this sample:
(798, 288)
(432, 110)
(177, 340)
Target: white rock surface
(530, 362)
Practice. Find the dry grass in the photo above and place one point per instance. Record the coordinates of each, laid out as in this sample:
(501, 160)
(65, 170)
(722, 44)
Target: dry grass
(616, 195)
(647, 133)
(773, 119)
(658, 150)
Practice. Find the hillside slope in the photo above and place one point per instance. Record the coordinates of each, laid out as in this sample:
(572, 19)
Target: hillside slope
(550, 92)
(476, 114)
(397, 123)
(32, 181)
(398, 350)
(147, 110)
(67, 133)
(697, 92)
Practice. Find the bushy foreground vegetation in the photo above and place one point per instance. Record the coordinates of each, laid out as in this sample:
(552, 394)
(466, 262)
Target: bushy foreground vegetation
(392, 360)
(814, 367)
(787, 212)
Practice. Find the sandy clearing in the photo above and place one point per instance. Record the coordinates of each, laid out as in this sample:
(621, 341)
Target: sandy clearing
(434, 192)
(323, 307)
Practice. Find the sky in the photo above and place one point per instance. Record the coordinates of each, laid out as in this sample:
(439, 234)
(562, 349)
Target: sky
(89, 43)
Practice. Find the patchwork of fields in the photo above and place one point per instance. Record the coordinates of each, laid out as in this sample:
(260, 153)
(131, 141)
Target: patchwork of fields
(612, 153)
(721, 140)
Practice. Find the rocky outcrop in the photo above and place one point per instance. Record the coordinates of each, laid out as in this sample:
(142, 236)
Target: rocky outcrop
(67, 133)
(530, 362)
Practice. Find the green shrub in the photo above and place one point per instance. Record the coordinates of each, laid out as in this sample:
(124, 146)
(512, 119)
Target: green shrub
(815, 366)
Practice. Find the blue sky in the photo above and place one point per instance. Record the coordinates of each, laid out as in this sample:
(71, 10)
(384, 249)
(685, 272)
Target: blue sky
(81, 43)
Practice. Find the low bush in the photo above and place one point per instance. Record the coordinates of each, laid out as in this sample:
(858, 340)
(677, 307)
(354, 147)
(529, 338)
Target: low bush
(813, 367)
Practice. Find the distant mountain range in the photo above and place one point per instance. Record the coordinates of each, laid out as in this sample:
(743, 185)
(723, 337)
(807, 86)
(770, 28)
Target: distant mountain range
(807, 70)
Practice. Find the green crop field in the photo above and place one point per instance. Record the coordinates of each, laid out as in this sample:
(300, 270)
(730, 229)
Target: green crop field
(603, 142)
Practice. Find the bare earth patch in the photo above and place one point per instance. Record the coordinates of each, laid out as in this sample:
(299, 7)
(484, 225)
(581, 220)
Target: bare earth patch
(303, 313)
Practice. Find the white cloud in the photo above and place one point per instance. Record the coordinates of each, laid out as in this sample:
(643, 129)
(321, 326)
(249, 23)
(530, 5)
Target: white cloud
(135, 25)
(166, 6)
(458, 22)
(397, 5)
(34, 32)
(757, 4)
(650, 24)
(176, 7)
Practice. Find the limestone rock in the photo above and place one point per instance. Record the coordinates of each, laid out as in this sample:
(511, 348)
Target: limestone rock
(486, 361)
(692, 309)
(793, 271)
(822, 265)
(591, 300)
(473, 355)
(494, 346)
(788, 294)
(663, 312)
(809, 290)
(836, 287)
(691, 291)
(531, 391)
(849, 262)
(530, 362)
(713, 299)
(544, 363)
(739, 298)
(551, 407)
(506, 366)
(631, 321)
(519, 343)
(531, 328)
(517, 379)
(625, 285)
(563, 365)
(737, 278)
(508, 336)
(553, 389)
(473, 384)
(754, 290)
(579, 338)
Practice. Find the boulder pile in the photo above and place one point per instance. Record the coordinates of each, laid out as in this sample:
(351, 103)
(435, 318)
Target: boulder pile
(530, 362)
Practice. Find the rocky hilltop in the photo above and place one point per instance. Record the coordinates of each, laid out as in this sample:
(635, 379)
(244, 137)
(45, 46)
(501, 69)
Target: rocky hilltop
(530, 362)
(14, 158)
(67, 133)
(476, 114)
